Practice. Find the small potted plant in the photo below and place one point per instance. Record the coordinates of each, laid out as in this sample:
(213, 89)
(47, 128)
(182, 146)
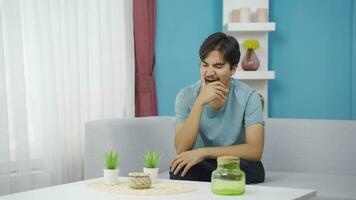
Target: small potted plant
(151, 162)
(111, 172)
(250, 61)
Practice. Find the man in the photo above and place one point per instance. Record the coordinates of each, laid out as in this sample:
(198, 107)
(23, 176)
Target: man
(217, 116)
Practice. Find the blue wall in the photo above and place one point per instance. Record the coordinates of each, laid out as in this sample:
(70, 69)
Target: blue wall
(354, 63)
(182, 25)
(311, 52)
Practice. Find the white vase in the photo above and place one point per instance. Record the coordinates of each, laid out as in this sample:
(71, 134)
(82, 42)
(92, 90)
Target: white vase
(153, 173)
(110, 176)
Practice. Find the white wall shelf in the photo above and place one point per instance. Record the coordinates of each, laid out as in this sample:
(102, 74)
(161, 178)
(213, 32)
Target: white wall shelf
(250, 27)
(253, 29)
(254, 75)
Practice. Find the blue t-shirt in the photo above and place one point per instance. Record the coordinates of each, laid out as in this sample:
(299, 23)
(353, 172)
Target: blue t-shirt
(226, 126)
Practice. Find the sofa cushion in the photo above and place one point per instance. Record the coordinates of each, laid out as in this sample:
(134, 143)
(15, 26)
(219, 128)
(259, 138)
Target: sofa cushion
(328, 186)
(310, 146)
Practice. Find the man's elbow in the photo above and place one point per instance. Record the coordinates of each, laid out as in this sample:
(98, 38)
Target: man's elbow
(181, 148)
(258, 157)
(258, 154)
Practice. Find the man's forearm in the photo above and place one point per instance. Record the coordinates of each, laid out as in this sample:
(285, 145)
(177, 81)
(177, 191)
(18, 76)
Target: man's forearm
(244, 151)
(187, 135)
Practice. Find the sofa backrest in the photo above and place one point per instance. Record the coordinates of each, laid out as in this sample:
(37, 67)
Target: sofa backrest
(131, 138)
(310, 146)
(296, 145)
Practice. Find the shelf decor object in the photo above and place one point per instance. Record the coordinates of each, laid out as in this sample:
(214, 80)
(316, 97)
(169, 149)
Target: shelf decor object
(245, 15)
(261, 15)
(250, 61)
(235, 15)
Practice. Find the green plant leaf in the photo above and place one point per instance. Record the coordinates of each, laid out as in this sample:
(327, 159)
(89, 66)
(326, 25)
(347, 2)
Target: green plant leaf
(151, 159)
(112, 160)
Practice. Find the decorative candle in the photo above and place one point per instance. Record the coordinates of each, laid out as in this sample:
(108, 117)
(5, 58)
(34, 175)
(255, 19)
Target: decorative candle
(235, 15)
(245, 15)
(262, 15)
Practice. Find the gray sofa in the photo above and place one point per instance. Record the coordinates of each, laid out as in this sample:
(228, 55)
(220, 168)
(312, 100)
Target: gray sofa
(313, 154)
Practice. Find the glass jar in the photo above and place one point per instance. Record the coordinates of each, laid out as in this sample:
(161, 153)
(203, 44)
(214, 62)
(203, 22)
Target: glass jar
(228, 179)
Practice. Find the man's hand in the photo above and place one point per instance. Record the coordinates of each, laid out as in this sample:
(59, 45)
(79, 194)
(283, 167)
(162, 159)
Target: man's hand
(212, 91)
(186, 160)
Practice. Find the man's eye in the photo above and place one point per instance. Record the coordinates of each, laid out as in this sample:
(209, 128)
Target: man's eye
(204, 65)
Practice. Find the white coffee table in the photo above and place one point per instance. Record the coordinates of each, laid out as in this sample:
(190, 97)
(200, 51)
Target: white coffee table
(80, 190)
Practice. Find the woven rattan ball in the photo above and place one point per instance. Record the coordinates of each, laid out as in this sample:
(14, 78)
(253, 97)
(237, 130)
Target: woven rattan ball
(139, 180)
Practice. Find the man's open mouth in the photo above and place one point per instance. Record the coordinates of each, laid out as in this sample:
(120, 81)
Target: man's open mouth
(210, 80)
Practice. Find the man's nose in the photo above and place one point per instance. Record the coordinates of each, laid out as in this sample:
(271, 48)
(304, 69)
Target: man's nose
(210, 72)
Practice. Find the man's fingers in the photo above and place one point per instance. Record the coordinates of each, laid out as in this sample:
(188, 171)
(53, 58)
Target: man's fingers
(220, 94)
(220, 97)
(176, 158)
(186, 169)
(220, 86)
(179, 167)
(175, 164)
(223, 89)
(218, 83)
(173, 167)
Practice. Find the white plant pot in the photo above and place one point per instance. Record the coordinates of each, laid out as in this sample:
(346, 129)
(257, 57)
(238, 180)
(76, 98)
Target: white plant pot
(153, 173)
(110, 176)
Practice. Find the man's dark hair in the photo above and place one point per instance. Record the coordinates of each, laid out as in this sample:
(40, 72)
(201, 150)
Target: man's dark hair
(227, 45)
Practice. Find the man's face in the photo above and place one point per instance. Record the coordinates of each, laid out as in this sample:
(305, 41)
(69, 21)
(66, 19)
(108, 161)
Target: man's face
(214, 68)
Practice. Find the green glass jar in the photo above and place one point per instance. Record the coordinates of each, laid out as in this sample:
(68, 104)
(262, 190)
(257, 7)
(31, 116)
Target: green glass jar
(228, 179)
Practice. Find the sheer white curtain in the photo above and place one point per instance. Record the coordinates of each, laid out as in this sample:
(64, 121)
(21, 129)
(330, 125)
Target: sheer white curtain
(62, 63)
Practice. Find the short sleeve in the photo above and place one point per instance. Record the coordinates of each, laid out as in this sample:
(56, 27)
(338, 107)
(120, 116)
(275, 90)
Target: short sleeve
(253, 111)
(182, 106)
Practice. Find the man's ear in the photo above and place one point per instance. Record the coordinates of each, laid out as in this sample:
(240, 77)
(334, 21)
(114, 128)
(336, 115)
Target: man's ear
(233, 70)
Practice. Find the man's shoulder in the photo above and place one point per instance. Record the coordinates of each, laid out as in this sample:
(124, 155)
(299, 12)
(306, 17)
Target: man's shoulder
(242, 89)
(190, 90)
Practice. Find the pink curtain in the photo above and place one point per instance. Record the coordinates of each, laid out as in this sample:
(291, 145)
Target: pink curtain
(144, 13)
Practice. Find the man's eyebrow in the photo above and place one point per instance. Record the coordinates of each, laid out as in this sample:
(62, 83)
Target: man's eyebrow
(214, 63)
